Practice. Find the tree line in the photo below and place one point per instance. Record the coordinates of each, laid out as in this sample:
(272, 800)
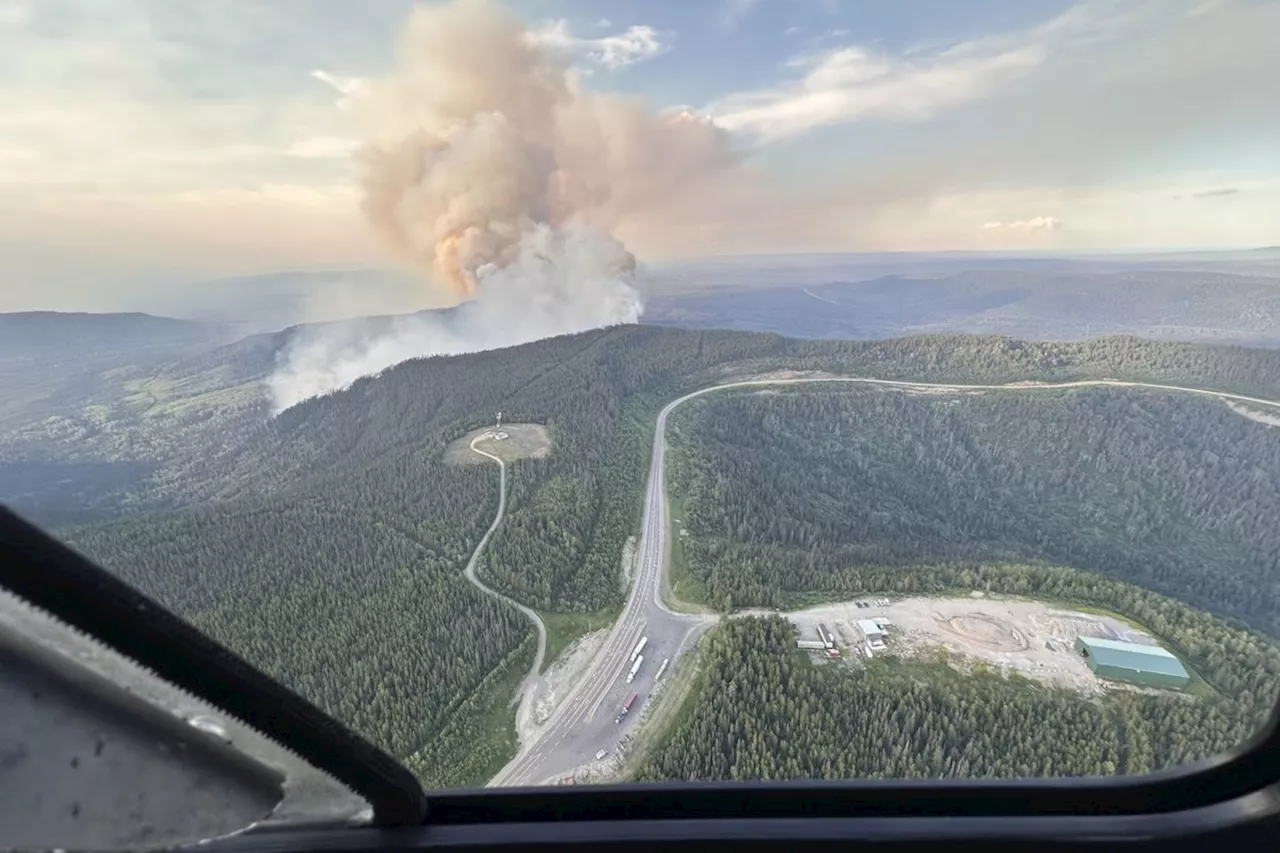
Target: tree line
(763, 711)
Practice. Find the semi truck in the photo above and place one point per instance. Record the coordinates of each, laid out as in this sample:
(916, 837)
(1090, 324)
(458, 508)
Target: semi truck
(635, 653)
(635, 667)
(626, 708)
(827, 637)
(662, 669)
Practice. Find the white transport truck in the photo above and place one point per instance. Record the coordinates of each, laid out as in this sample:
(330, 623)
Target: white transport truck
(635, 667)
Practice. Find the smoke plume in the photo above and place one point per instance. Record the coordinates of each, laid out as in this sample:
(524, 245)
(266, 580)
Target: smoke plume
(490, 169)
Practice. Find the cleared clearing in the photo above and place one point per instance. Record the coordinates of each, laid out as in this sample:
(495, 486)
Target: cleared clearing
(1031, 638)
(523, 441)
(1268, 418)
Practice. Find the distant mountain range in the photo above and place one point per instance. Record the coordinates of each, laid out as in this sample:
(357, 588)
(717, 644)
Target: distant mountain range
(44, 334)
(1055, 302)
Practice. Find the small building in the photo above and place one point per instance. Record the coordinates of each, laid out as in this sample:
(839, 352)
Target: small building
(873, 632)
(813, 645)
(1150, 666)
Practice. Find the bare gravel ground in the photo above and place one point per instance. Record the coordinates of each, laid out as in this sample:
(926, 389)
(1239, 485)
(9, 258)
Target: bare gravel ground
(1030, 638)
(556, 682)
(523, 441)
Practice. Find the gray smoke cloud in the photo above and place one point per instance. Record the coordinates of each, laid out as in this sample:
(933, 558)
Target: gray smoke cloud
(490, 169)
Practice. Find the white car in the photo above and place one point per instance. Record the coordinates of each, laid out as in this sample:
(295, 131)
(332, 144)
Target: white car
(601, 754)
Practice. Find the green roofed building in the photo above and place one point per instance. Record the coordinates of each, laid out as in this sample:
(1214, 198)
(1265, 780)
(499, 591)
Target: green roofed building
(1150, 666)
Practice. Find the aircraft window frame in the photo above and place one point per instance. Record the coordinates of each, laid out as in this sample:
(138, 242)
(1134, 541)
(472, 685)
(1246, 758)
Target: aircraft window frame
(1238, 787)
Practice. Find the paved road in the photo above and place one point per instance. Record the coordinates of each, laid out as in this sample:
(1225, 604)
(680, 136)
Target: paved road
(583, 721)
(530, 681)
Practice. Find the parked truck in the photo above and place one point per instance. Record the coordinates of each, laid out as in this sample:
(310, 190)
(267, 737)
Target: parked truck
(635, 667)
(827, 637)
(662, 669)
(626, 708)
(635, 653)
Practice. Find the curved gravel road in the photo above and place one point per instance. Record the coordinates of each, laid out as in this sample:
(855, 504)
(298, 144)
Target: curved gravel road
(530, 681)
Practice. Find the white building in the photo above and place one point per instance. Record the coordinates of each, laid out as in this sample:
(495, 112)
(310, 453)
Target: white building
(873, 632)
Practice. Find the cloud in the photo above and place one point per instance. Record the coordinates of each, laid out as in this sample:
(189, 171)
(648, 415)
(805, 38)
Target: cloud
(347, 87)
(634, 44)
(1119, 92)
(733, 11)
(854, 82)
(1216, 193)
(323, 148)
(111, 97)
(1036, 223)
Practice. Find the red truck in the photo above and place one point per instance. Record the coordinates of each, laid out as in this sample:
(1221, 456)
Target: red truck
(626, 707)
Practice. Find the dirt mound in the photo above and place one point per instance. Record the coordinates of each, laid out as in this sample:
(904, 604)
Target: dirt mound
(995, 634)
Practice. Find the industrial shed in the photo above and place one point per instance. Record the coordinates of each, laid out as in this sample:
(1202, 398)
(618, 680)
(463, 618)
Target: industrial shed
(873, 632)
(1150, 666)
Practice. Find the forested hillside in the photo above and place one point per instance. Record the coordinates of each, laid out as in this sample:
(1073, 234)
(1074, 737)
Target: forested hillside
(762, 711)
(1154, 504)
(821, 488)
(328, 543)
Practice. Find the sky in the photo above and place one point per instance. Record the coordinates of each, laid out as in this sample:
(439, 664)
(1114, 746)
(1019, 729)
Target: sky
(147, 143)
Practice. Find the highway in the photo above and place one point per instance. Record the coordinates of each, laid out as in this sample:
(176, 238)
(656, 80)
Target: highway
(583, 721)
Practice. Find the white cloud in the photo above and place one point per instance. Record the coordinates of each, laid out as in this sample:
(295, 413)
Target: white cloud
(635, 44)
(347, 87)
(853, 82)
(323, 148)
(1035, 223)
(850, 83)
(13, 13)
(733, 11)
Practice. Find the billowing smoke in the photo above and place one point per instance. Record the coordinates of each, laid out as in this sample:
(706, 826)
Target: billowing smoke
(490, 169)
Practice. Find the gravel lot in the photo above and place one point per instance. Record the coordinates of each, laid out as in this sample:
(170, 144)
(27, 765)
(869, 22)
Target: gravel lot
(1030, 638)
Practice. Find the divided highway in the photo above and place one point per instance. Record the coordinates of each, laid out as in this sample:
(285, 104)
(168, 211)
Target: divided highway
(583, 721)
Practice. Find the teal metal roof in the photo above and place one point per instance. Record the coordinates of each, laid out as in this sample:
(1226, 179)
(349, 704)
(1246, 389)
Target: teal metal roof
(1133, 656)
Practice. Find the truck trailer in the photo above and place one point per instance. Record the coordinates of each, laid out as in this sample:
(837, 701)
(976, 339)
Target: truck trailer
(635, 667)
(626, 708)
(662, 669)
(635, 653)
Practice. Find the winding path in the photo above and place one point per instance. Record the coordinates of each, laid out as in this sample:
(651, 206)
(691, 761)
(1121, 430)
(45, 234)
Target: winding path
(530, 680)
